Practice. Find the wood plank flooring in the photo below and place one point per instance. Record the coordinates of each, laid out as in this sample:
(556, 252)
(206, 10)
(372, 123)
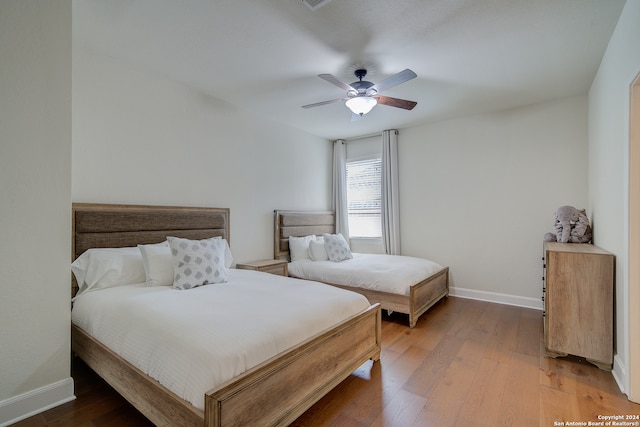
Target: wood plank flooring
(467, 363)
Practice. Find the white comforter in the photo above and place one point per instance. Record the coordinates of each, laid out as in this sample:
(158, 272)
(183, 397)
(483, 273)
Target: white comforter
(191, 341)
(386, 273)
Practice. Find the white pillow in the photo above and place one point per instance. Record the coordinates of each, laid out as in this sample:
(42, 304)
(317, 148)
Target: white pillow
(158, 264)
(317, 251)
(337, 247)
(299, 247)
(197, 262)
(228, 256)
(100, 268)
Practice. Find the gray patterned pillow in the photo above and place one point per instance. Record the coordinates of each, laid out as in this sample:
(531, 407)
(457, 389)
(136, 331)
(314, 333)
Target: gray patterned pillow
(197, 262)
(337, 247)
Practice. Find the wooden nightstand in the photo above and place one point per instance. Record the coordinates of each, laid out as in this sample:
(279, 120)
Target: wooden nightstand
(273, 266)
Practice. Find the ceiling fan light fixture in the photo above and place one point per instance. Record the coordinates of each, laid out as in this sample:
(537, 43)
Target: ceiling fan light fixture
(361, 105)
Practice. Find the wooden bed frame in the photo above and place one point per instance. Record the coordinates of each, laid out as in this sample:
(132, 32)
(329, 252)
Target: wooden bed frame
(274, 393)
(422, 296)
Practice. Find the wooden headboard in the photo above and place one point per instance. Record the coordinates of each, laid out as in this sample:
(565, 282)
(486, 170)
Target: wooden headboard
(113, 226)
(297, 224)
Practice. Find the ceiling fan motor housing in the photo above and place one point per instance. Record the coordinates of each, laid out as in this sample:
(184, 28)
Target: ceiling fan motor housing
(361, 86)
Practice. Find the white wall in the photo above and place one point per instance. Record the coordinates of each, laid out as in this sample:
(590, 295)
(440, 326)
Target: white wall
(479, 193)
(608, 166)
(141, 138)
(35, 205)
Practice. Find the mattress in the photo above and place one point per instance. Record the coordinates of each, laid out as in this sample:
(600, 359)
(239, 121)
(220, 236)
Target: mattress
(191, 341)
(386, 273)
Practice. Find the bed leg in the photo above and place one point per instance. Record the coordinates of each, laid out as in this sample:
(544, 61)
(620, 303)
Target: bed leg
(412, 321)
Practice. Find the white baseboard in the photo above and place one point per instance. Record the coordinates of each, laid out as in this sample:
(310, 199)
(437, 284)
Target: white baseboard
(619, 373)
(35, 401)
(535, 303)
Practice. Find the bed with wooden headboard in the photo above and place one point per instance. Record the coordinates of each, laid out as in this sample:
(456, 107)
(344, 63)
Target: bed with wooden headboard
(268, 394)
(422, 295)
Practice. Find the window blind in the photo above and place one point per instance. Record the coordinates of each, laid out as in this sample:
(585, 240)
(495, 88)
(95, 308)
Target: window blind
(364, 203)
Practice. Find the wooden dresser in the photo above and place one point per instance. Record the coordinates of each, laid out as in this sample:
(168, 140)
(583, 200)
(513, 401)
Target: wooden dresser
(578, 302)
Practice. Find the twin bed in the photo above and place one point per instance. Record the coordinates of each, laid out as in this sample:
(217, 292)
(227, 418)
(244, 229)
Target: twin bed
(403, 284)
(165, 357)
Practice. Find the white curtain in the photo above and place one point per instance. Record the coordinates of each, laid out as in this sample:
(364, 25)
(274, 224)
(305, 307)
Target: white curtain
(339, 199)
(390, 199)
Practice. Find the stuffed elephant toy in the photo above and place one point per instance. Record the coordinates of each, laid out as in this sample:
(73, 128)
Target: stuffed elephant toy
(572, 226)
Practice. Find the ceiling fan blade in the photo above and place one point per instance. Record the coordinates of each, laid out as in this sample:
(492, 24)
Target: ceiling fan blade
(396, 102)
(336, 81)
(317, 104)
(394, 80)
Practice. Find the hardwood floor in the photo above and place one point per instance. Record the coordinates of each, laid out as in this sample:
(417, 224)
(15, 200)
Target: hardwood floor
(467, 363)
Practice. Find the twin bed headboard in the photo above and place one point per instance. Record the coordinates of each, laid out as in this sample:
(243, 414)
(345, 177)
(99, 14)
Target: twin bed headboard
(299, 223)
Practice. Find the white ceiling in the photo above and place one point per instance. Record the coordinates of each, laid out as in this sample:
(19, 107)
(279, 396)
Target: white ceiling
(471, 56)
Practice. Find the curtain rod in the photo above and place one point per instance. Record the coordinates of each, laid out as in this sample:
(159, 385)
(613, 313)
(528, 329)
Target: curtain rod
(364, 136)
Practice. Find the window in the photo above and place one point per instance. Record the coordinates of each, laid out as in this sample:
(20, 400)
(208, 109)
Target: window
(364, 204)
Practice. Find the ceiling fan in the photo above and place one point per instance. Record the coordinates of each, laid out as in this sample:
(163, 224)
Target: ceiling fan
(362, 95)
